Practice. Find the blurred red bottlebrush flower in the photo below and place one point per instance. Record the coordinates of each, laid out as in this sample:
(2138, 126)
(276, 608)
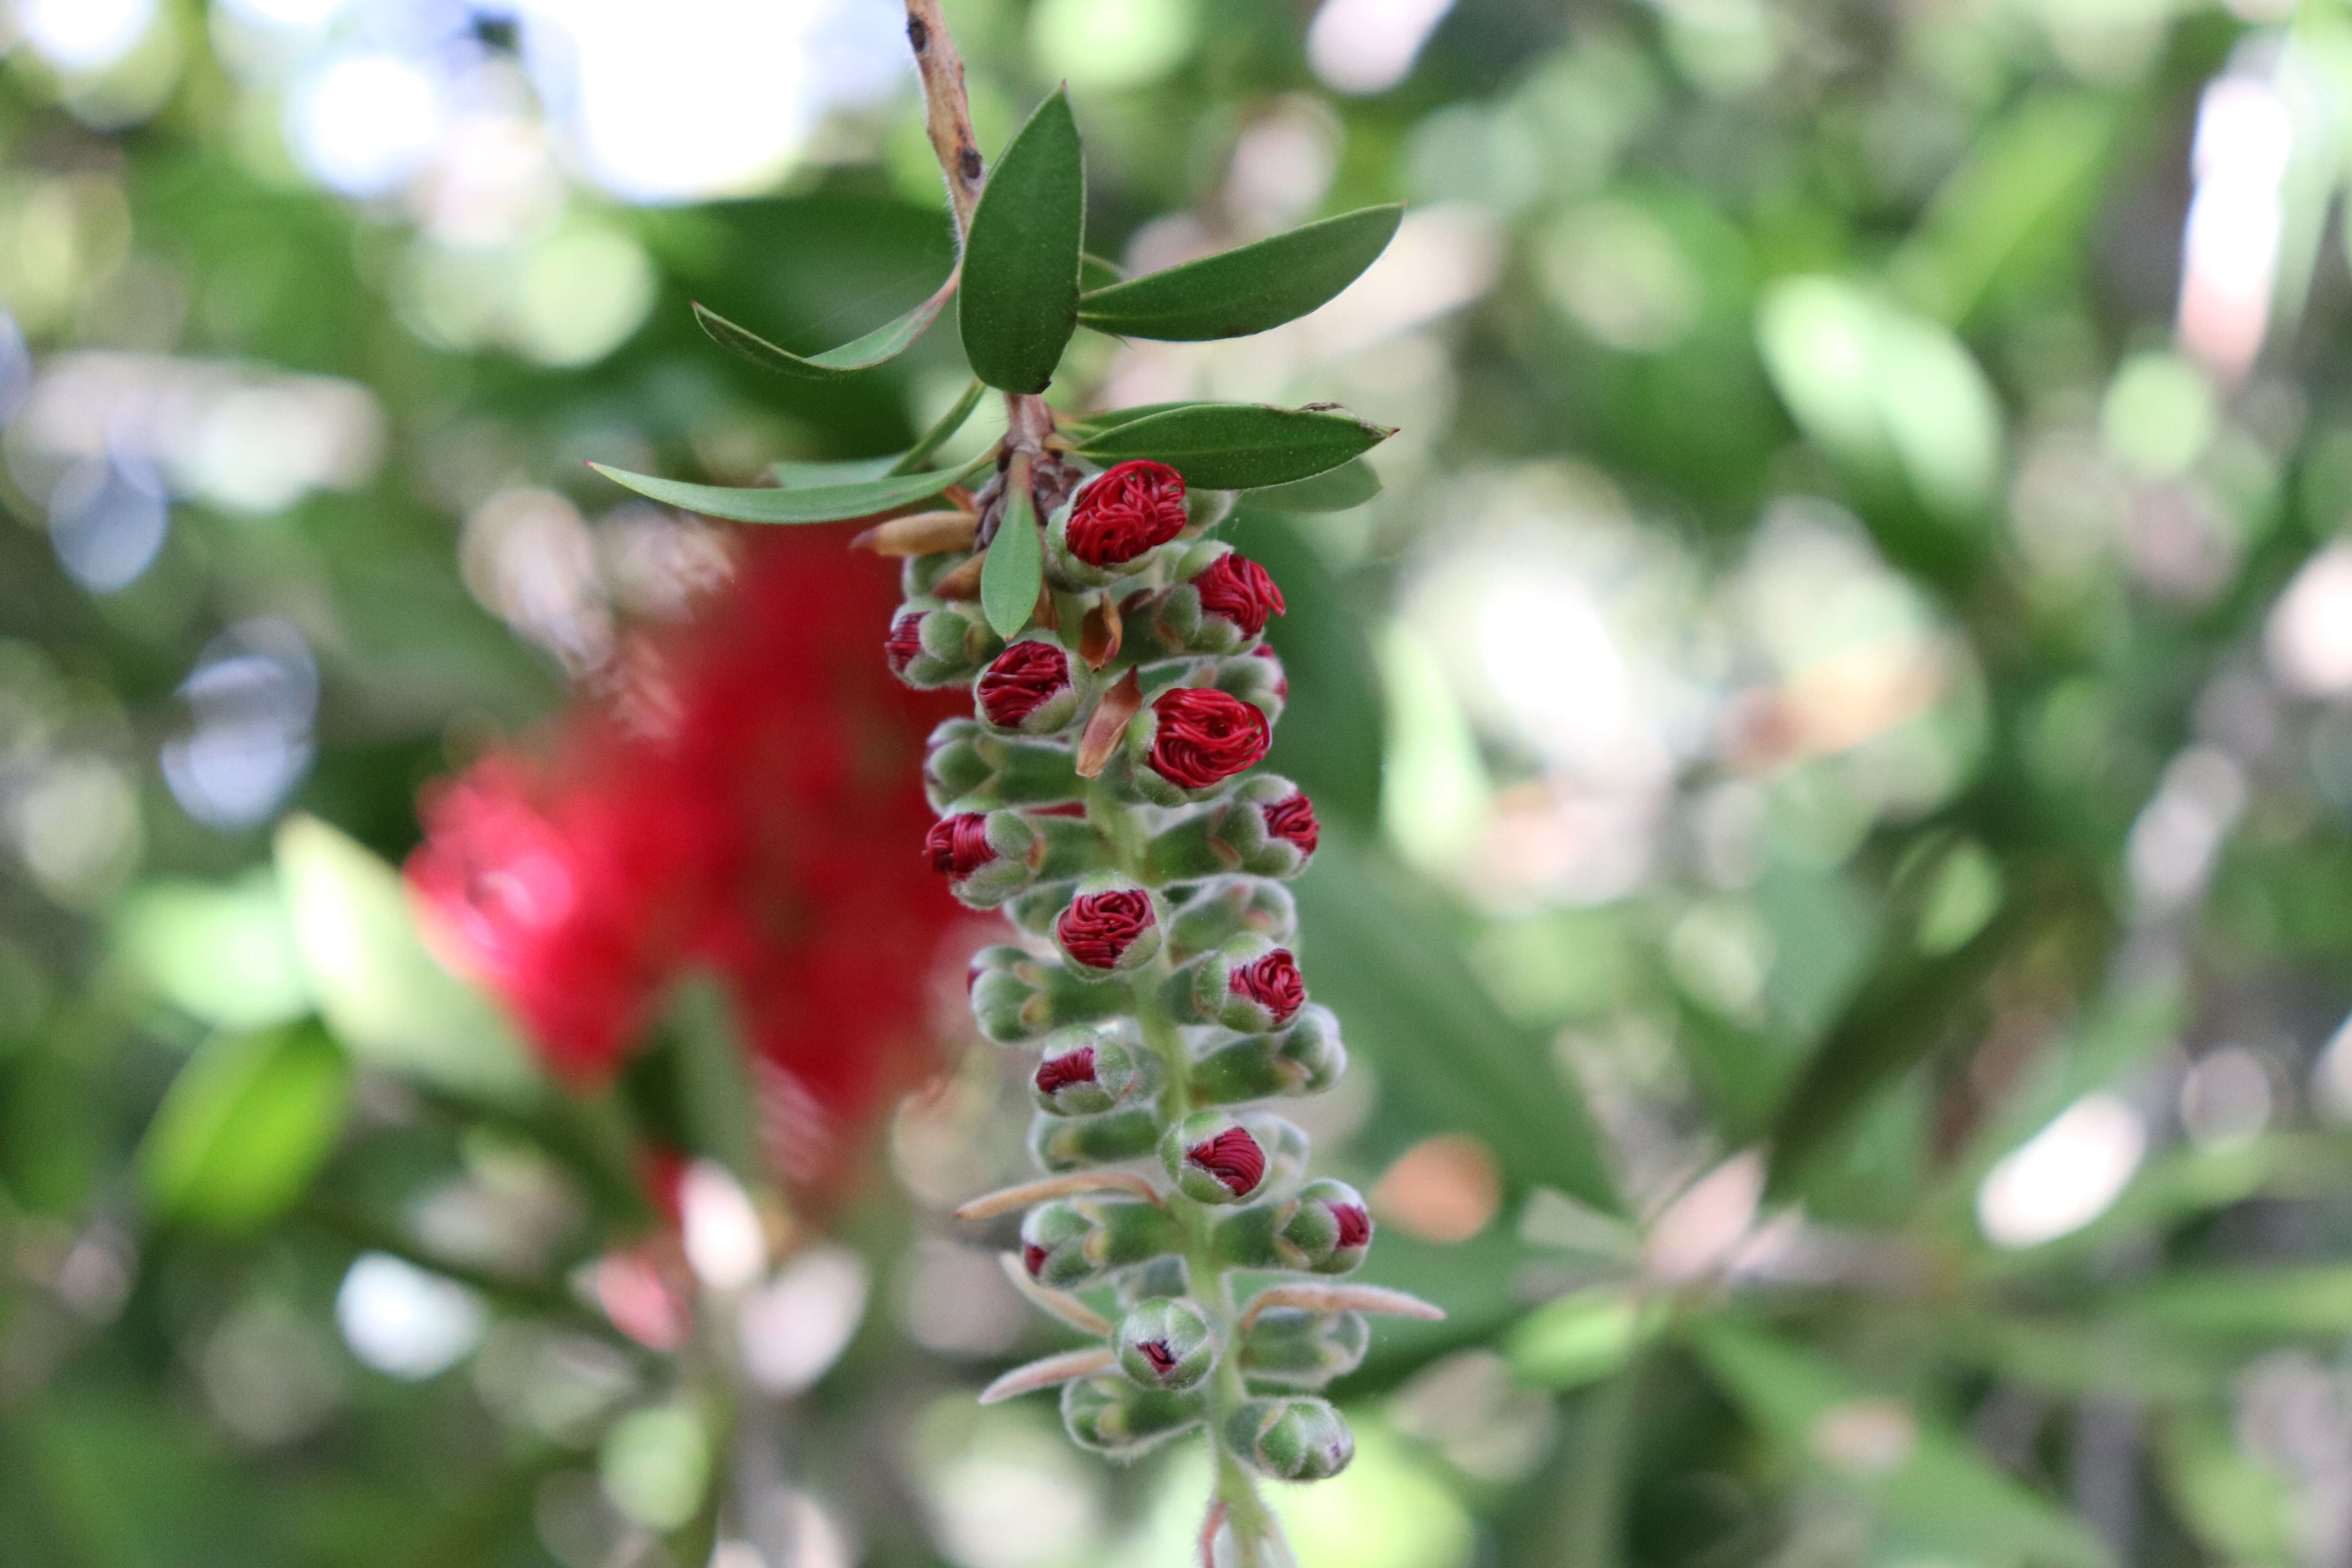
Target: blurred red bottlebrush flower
(749, 828)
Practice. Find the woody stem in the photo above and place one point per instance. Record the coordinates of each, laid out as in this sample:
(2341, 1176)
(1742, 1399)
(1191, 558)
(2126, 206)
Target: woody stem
(947, 117)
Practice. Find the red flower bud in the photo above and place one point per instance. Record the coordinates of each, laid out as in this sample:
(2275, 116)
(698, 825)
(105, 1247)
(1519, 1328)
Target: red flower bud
(1020, 680)
(1206, 737)
(1069, 1068)
(1355, 1225)
(1240, 590)
(959, 845)
(1098, 928)
(1033, 1258)
(905, 641)
(1156, 1351)
(1233, 1157)
(1127, 510)
(1293, 821)
(1281, 680)
(1272, 983)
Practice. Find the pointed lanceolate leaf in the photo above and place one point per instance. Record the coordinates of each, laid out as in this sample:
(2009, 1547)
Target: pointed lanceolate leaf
(1349, 485)
(1016, 566)
(817, 503)
(848, 471)
(1238, 446)
(1245, 290)
(1020, 259)
(884, 343)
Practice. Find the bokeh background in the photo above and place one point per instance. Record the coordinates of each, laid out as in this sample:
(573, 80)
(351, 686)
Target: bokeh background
(1835, 745)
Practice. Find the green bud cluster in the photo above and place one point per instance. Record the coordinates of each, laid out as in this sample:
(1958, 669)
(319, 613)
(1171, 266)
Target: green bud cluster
(1101, 799)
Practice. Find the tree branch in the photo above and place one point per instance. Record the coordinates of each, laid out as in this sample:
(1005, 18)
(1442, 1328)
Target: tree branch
(947, 112)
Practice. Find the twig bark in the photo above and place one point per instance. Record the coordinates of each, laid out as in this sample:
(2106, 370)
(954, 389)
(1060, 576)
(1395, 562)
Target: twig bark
(946, 112)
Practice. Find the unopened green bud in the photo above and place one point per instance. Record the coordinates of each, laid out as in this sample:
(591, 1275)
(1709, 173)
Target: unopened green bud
(1266, 827)
(1166, 1344)
(1072, 1242)
(987, 858)
(933, 644)
(1296, 1437)
(1073, 1143)
(1305, 1058)
(1017, 996)
(1257, 678)
(1292, 1346)
(1214, 1158)
(1250, 985)
(1111, 1415)
(1331, 1227)
(1326, 1229)
(1288, 1150)
(1229, 906)
(1088, 1071)
(968, 769)
(1110, 926)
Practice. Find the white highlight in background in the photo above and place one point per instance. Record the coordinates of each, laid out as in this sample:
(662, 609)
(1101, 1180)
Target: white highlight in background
(404, 1321)
(364, 123)
(2065, 1176)
(1369, 46)
(724, 1240)
(2229, 249)
(85, 35)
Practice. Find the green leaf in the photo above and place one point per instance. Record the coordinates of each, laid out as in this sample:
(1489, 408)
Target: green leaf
(848, 471)
(387, 999)
(222, 952)
(2263, 1305)
(817, 503)
(1015, 565)
(1238, 446)
(1921, 1479)
(1020, 259)
(884, 343)
(1245, 290)
(1087, 425)
(939, 435)
(714, 1083)
(1349, 486)
(1583, 1337)
(245, 1126)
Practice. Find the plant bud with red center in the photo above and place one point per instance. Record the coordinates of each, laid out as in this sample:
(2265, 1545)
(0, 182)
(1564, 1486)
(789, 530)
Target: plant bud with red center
(1238, 590)
(987, 856)
(1299, 1439)
(1027, 688)
(1213, 1158)
(1087, 1071)
(1073, 1242)
(1165, 1344)
(1250, 985)
(1272, 983)
(1331, 1229)
(1200, 738)
(1116, 518)
(937, 645)
(1108, 930)
(1292, 820)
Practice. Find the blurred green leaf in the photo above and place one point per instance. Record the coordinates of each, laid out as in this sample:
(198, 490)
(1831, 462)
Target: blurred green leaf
(1922, 1480)
(1583, 1337)
(715, 1094)
(817, 503)
(1014, 568)
(943, 430)
(1349, 485)
(221, 952)
(879, 346)
(1020, 259)
(246, 1124)
(2253, 1304)
(1247, 289)
(1448, 1058)
(1330, 739)
(2241, 1510)
(1237, 446)
(389, 1002)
